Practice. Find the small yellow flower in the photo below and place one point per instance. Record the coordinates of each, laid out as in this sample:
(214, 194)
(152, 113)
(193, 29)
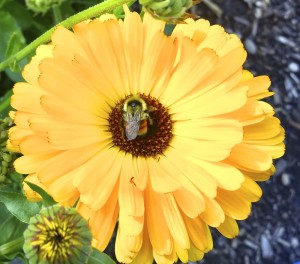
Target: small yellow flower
(57, 235)
(185, 157)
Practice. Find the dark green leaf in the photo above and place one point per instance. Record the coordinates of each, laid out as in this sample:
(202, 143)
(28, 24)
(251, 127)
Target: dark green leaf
(47, 199)
(14, 44)
(2, 3)
(8, 26)
(11, 229)
(17, 178)
(169, 29)
(98, 257)
(5, 104)
(4, 215)
(19, 11)
(19, 206)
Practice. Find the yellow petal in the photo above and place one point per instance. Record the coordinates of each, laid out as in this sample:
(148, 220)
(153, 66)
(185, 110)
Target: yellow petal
(26, 98)
(195, 254)
(190, 204)
(196, 68)
(103, 221)
(234, 204)
(199, 234)
(161, 176)
(32, 145)
(229, 228)
(78, 136)
(268, 128)
(165, 259)
(63, 191)
(250, 158)
(174, 220)
(131, 199)
(31, 195)
(96, 178)
(63, 111)
(159, 234)
(65, 162)
(226, 176)
(30, 164)
(145, 254)
(31, 70)
(202, 180)
(127, 247)
(62, 37)
(250, 190)
(182, 253)
(213, 214)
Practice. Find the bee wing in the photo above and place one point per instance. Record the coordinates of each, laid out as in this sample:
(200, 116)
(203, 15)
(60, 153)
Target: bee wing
(132, 125)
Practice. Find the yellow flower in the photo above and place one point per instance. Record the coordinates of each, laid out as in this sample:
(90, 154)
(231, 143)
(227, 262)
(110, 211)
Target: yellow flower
(201, 135)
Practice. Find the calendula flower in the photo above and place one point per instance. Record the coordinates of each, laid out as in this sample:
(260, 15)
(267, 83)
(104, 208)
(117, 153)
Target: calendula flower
(166, 134)
(57, 235)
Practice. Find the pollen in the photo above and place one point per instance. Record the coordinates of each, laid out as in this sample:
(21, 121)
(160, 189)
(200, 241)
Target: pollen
(159, 132)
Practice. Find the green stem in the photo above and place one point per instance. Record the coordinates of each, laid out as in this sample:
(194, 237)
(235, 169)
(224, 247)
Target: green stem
(11, 247)
(93, 11)
(57, 14)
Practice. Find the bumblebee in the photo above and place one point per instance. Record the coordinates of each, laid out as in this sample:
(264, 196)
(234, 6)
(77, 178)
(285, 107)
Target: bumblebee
(136, 117)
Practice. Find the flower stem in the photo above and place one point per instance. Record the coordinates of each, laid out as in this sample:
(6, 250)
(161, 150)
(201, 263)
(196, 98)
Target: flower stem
(11, 247)
(93, 11)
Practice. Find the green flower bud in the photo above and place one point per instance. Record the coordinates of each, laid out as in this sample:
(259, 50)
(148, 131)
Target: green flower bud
(41, 6)
(57, 235)
(166, 9)
(7, 158)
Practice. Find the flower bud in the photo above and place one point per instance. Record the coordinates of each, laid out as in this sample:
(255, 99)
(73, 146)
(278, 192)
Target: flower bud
(57, 235)
(166, 9)
(41, 6)
(7, 157)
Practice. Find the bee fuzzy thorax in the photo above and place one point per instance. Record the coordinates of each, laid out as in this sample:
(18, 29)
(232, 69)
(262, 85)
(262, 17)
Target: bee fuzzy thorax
(135, 117)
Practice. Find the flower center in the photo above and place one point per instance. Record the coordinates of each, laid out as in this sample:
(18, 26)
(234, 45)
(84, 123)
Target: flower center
(56, 240)
(141, 125)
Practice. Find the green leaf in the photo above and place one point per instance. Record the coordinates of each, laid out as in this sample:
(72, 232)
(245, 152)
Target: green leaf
(3, 215)
(15, 43)
(169, 29)
(5, 104)
(10, 229)
(8, 26)
(119, 11)
(19, 206)
(18, 179)
(47, 199)
(2, 3)
(98, 257)
(22, 14)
